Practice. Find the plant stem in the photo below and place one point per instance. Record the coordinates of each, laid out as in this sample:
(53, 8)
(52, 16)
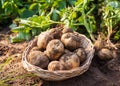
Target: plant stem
(109, 29)
(85, 21)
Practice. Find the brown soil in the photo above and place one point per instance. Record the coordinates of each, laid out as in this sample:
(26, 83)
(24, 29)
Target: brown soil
(12, 73)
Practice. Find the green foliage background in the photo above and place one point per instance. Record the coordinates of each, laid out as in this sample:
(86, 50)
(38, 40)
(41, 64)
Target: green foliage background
(30, 17)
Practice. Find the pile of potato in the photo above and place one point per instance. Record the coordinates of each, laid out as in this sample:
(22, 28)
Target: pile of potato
(57, 49)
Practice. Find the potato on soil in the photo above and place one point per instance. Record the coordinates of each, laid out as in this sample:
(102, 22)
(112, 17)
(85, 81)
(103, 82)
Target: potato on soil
(54, 49)
(71, 41)
(38, 58)
(105, 54)
(43, 39)
(99, 43)
(66, 30)
(55, 65)
(70, 61)
(81, 54)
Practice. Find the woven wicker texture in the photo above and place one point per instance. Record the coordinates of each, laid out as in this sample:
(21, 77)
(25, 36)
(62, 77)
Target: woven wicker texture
(64, 74)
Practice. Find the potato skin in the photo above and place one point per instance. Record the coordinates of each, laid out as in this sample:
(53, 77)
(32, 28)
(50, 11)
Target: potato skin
(105, 54)
(81, 54)
(67, 51)
(71, 41)
(43, 39)
(54, 49)
(66, 30)
(70, 61)
(34, 49)
(56, 33)
(55, 65)
(38, 58)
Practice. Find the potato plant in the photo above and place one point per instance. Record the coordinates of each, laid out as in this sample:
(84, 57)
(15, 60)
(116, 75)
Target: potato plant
(52, 13)
(83, 16)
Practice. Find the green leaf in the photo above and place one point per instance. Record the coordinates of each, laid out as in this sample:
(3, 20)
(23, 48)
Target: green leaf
(34, 31)
(62, 5)
(2, 2)
(74, 15)
(18, 3)
(28, 36)
(16, 39)
(13, 25)
(81, 19)
(71, 2)
(55, 16)
(18, 29)
(34, 7)
(24, 13)
(5, 5)
(21, 36)
(8, 8)
(114, 4)
(117, 35)
(36, 18)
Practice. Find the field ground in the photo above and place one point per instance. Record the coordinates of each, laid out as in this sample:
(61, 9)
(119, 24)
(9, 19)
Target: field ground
(13, 74)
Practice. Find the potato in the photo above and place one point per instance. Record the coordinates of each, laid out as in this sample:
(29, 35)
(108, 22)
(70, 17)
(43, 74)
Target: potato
(66, 30)
(70, 60)
(34, 49)
(54, 49)
(38, 58)
(81, 54)
(99, 44)
(71, 41)
(55, 65)
(43, 39)
(56, 32)
(66, 51)
(105, 54)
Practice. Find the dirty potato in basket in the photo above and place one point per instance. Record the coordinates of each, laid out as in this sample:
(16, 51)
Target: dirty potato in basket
(43, 39)
(55, 65)
(54, 49)
(81, 54)
(66, 30)
(71, 41)
(70, 61)
(67, 51)
(56, 32)
(34, 49)
(38, 58)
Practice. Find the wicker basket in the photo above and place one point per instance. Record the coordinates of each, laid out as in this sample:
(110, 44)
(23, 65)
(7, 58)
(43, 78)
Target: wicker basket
(64, 74)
